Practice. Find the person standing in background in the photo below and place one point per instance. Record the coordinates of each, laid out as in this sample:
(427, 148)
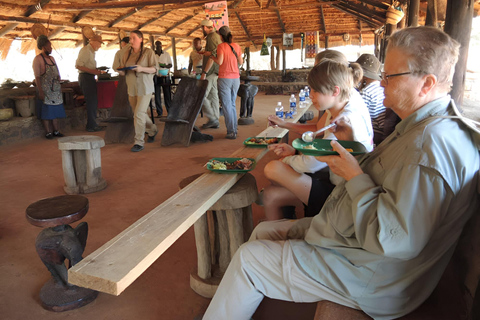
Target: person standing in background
(117, 60)
(87, 68)
(229, 56)
(140, 87)
(211, 104)
(164, 62)
(196, 59)
(47, 79)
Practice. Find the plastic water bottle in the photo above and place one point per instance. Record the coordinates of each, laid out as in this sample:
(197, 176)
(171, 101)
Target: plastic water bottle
(279, 110)
(307, 93)
(301, 98)
(293, 104)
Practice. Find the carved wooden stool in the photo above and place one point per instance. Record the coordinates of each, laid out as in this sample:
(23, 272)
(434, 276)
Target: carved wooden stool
(82, 164)
(219, 233)
(58, 242)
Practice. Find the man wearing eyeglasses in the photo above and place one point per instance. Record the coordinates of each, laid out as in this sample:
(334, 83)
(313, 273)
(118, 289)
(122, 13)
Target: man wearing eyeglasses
(387, 232)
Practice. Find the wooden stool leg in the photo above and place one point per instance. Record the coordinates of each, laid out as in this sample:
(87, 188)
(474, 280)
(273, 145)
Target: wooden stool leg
(235, 229)
(94, 167)
(80, 166)
(71, 186)
(203, 247)
(224, 254)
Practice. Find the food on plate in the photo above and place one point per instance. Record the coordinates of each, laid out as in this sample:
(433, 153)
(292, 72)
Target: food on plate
(258, 140)
(310, 146)
(242, 164)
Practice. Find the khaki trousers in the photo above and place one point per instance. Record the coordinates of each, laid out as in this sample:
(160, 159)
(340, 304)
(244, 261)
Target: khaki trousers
(141, 120)
(266, 268)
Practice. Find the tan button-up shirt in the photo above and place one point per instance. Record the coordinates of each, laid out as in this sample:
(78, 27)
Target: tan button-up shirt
(86, 58)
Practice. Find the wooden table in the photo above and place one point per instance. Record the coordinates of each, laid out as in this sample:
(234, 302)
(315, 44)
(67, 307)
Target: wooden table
(116, 264)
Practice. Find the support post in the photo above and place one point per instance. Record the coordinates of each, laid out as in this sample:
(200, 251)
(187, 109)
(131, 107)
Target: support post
(458, 24)
(174, 53)
(413, 10)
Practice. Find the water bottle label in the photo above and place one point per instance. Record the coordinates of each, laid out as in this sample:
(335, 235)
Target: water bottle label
(302, 98)
(293, 104)
(279, 113)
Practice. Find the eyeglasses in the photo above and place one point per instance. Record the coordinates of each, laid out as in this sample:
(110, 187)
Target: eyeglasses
(385, 76)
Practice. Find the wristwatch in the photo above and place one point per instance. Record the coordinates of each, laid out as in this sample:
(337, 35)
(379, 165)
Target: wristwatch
(204, 72)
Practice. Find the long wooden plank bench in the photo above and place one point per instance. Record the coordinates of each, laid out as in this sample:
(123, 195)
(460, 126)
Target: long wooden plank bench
(115, 265)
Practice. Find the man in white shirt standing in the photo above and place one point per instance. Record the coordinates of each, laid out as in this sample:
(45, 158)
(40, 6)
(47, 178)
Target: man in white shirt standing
(161, 80)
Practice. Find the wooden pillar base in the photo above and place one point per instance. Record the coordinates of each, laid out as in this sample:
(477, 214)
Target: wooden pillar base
(205, 287)
(84, 188)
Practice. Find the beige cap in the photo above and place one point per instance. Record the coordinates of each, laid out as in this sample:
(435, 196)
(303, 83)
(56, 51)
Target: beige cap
(206, 23)
(96, 37)
(370, 66)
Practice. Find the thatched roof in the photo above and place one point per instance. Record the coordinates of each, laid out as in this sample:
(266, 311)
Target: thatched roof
(166, 20)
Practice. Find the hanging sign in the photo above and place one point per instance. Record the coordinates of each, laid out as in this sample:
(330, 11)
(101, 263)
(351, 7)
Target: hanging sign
(310, 44)
(217, 12)
(288, 39)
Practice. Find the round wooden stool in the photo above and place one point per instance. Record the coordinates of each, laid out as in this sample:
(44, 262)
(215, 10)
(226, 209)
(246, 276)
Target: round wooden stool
(82, 164)
(219, 233)
(58, 242)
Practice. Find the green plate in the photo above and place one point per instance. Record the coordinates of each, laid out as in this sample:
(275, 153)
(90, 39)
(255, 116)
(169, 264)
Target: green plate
(230, 160)
(258, 145)
(323, 147)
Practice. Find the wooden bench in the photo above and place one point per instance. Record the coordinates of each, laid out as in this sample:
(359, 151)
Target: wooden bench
(115, 265)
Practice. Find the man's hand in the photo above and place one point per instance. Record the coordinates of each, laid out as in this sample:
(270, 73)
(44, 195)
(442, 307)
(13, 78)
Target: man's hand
(274, 121)
(343, 129)
(344, 165)
(138, 68)
(282, 149)
(203, 76)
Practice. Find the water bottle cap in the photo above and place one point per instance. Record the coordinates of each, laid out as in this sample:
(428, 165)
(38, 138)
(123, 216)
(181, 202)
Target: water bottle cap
(293, 95)
(301, 90)
(279, 103)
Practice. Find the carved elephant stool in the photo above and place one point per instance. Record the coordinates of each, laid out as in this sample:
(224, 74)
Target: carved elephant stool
(59, 242)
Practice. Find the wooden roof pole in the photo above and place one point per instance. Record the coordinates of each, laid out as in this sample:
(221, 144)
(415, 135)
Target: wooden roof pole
(237, 3)
(152, 20)
(174, 54)
(82, 14)
(324, 26)
(55, 32)
(282, 25)
(125, 16)
(259, 5)
(458, 24)
(431, 19)
(413, 9)
(245, 29)
(178, 23)
(116, 5)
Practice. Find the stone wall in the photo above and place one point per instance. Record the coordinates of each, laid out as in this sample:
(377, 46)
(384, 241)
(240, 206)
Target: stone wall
(272, 81)
(19, 128)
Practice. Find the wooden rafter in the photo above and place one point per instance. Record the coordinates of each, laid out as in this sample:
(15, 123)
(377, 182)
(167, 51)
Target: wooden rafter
(82, 14)
(125, 16)
(178, 23)
(245, 29)
(324, 26)
(56, 31)
(268, 4)
(258, 3)
(31, 10)
(122, 4)
(152, 20)
(280, 21)
(369, 20)
(236, 4)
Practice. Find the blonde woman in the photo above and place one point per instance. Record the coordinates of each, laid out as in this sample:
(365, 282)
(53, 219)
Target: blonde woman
(141, 67)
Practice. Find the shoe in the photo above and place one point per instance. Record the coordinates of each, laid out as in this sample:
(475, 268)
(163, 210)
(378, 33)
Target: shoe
(211, 124)
(95, 129)
(49, 136)
(151, 139)
(231, 136)
(137, 148)
(57, 134)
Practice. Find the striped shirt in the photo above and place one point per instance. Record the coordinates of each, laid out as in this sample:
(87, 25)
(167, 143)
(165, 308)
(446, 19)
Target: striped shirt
(373, 96)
